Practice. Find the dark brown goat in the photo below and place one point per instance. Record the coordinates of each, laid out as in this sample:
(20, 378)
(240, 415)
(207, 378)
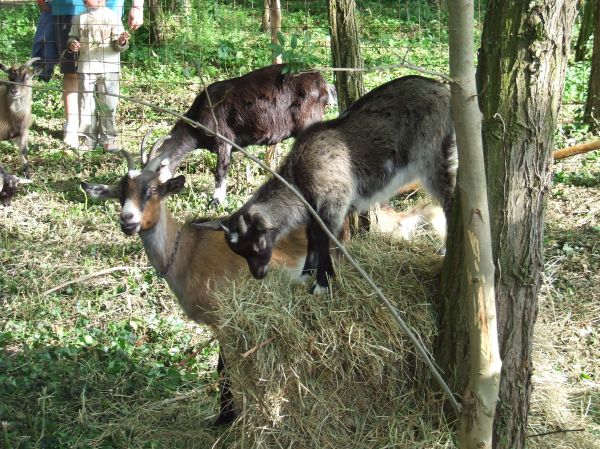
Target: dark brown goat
(262, 107)
(15, 106)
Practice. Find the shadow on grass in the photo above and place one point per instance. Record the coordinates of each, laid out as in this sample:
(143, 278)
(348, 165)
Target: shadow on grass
(104, 389)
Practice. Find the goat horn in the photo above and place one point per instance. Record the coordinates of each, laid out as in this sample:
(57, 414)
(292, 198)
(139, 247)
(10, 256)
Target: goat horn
(154, 164)
(129, 157)
(31, 61)
(157, 145)
(143, 155)
(242, 224)
(223, 227)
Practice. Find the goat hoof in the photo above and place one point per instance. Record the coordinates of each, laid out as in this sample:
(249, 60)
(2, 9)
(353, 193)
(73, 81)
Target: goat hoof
(304, 278)
(214, 203)
(225, 418)
(319, 290)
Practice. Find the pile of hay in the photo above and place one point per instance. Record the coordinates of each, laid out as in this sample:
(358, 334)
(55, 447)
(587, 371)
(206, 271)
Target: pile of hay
(336, 371)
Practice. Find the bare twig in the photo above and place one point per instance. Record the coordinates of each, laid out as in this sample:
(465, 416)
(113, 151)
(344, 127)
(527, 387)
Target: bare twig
(555, 431)
(85, 278)
(576, 149)
(196, 352)
(251, 351)
(385, 67)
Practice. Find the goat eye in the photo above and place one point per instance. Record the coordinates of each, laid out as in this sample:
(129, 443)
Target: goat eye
(154, 190)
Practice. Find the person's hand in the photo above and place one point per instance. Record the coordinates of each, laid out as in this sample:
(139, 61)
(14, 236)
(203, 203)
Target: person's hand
(74, 46)
(136, 17)
(123, 38)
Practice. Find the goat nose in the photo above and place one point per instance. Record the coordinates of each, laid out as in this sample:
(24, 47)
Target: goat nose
(127, 216)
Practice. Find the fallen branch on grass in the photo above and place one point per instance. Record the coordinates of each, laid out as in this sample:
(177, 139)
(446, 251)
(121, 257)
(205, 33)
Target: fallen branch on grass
(85, 278)
(555, 431)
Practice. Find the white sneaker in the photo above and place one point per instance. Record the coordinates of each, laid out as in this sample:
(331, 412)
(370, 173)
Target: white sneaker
(71, 139)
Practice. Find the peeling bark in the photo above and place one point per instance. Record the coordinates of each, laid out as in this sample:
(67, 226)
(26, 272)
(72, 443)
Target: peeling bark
(522, 64)
(481, 391)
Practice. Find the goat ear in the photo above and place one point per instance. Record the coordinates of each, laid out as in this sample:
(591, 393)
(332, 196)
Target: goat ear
(163, 170)
(213, 225)
(242, 226)
(100, 191)
(172, 186)
(4, 68)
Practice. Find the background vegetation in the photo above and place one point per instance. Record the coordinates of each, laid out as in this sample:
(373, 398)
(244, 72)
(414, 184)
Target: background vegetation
(110, 361)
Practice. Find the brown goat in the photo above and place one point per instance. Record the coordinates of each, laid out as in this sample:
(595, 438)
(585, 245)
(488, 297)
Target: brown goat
(192, 261)
(262, 107)
(15, 106)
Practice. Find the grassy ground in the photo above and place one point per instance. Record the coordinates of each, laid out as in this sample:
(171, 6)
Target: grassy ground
(109, 361)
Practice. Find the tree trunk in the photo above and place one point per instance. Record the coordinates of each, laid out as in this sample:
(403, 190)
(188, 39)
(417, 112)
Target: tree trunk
(592, 105)
(345, 51)
(479, 399)
(586, 30)
(271, 153)
(521, 72)
(156, 22)
(266, 17)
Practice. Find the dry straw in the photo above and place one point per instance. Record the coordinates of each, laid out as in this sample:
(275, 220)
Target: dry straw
(336, 371)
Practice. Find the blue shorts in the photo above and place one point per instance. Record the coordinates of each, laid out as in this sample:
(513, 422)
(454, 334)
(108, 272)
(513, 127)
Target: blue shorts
(68, 59)
(44, 46)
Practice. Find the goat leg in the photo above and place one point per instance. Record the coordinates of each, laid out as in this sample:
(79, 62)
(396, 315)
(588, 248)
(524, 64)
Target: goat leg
(227, 407)
(21, 141)
(223, 161)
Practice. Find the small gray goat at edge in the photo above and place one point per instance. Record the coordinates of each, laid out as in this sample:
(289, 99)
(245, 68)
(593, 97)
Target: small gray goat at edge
(398, 133)
(15, 106)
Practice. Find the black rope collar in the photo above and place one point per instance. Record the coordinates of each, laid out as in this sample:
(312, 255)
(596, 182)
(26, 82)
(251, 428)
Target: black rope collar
(164, 272)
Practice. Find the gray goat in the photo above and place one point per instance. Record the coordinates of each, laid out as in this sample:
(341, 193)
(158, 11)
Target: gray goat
(15, 106)
(9, 185)
(396, 134)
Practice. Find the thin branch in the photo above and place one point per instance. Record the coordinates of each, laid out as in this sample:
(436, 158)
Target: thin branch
(576, 149)
(384, 67)
(555, 431)
(85, 278)
(196, 352)
(251, 351)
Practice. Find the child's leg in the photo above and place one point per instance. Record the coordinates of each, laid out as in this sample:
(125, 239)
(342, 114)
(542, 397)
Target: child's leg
(107, 109)
(88, 125)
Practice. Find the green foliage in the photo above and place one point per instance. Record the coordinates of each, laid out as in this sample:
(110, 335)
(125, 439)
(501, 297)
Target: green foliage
(293, 56)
